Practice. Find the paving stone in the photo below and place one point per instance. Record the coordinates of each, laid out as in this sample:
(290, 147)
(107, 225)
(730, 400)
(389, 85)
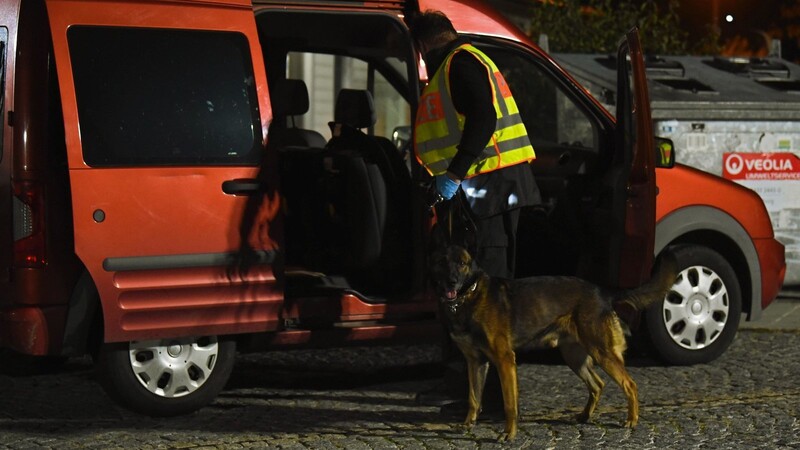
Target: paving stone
(364, 399)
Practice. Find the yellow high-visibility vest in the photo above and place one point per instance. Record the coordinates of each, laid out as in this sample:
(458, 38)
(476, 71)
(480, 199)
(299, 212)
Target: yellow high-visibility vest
(438, 126)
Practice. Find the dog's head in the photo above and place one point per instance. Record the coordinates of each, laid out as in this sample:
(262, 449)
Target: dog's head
(450, 254)
(451, 267)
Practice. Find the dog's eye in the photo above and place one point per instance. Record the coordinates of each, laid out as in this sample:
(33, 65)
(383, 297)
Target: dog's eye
(463, 264)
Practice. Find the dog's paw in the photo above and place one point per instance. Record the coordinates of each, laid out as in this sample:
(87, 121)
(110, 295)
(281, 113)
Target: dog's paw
(583, 418)
(630, 423)
(467, 426)
(507, 437)
(509, 433)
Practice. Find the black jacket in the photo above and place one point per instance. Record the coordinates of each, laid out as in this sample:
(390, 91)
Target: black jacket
(494, 192)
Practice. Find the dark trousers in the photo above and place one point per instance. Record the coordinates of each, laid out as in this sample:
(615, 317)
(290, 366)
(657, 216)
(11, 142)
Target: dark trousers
(497, 243)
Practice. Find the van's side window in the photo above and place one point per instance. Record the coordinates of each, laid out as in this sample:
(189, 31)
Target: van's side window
(551, 117)
(164, 97)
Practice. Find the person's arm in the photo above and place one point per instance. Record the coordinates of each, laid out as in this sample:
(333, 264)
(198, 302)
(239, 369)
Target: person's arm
(472, 96)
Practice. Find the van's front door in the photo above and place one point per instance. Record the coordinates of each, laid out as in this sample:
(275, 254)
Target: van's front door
(165, 112)
(636, 148)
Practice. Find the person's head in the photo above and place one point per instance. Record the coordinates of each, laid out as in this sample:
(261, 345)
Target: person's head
(431, 29)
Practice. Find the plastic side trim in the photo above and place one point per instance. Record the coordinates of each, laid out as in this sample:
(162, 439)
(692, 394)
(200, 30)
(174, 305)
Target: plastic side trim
(182, 261)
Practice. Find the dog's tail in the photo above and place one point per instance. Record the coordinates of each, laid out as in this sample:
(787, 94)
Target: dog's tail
(657, 287)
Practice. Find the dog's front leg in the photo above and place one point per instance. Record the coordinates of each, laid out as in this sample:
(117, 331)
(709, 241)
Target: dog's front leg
(477, 371)
(507, 370)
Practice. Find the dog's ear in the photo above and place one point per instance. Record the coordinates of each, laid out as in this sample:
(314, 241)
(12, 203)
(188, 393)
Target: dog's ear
(439, 238)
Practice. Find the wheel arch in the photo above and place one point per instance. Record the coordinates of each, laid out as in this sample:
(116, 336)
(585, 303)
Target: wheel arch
(715, 229)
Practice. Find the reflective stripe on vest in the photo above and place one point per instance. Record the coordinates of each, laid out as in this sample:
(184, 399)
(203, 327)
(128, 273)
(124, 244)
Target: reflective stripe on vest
(439, 126)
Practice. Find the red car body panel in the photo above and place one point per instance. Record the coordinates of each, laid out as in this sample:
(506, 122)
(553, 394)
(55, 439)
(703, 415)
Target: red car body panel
(154, 221)
(684, 186)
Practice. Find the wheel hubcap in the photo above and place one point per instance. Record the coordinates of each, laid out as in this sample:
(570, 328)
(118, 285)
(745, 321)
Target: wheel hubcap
(171, 368)
(174, 350)
(696, 309)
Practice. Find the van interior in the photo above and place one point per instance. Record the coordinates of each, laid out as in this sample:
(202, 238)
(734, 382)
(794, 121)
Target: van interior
(343, 89)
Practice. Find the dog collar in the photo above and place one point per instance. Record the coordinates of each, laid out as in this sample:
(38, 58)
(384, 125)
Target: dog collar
(473, 287)
(454, 305)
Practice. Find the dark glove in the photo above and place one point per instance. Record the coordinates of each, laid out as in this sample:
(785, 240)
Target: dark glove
(445, 186)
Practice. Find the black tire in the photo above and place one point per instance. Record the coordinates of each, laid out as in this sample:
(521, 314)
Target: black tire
(180, 385)
(698, 319)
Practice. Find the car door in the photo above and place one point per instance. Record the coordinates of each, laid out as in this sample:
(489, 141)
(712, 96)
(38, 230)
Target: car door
(165, 112)
(636, 205)
(6, 233)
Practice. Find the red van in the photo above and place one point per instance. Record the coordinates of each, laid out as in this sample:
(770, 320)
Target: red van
(182, 179)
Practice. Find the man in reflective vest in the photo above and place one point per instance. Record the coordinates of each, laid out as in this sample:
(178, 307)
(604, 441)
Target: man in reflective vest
(469, 134)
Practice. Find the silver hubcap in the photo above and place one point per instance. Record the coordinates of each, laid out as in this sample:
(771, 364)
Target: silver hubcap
(173, 368)
(696, 310)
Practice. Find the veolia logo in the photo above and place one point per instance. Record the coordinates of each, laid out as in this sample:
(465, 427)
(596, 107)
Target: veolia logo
(734, 164)
(761, 166)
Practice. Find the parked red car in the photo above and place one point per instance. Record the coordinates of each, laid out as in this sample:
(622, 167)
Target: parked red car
(171, 190)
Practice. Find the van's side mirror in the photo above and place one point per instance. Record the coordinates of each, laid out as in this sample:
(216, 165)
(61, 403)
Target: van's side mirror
(401, 138)
(665, 153)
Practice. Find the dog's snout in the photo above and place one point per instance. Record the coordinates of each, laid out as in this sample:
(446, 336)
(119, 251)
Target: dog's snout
(453, 279)
(447, 283)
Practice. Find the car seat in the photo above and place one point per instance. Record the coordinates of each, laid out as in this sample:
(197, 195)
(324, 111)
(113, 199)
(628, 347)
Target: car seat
(355, 111)
(290, 99)
(379, 199)
(336, 203)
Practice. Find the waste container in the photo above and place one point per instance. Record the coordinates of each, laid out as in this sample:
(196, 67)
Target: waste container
(738, 118)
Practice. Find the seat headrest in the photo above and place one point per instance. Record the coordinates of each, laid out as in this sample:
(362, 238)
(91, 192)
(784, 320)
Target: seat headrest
(289, 98)
(354, 108)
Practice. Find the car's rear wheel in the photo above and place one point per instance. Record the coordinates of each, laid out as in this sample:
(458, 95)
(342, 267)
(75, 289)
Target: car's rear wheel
(698, 319)
(166, 377)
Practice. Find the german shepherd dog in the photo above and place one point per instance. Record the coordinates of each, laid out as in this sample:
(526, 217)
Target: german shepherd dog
(489, 318)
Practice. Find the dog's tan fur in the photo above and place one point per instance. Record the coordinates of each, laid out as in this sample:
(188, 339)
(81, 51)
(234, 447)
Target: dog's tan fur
(490, 318)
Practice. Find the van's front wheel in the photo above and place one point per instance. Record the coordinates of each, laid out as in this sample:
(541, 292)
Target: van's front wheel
(698, 319)
(166, 377)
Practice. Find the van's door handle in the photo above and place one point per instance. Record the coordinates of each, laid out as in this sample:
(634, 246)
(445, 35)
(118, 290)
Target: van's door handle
(242, 186)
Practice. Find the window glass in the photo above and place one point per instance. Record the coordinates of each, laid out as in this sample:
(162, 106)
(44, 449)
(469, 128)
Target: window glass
(164, 97)
(325, 75)
(392, 109)
(551, 117)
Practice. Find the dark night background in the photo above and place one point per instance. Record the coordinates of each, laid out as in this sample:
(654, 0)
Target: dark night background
(752, 26)
(754, 23)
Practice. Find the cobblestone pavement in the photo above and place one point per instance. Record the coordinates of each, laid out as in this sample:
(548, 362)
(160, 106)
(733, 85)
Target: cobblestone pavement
(363, 398)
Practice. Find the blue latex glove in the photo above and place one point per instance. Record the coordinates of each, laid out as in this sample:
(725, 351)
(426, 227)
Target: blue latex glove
(445, 186)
